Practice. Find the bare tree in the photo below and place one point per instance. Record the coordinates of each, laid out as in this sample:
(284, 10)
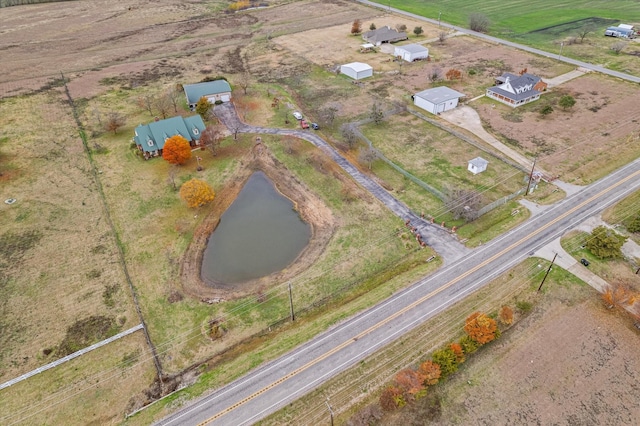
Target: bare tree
(376, 113)
(328, 115)
(442, 36)
(368, 156)
(401, 28)
(211, 138)
(435, 74)
(244, 81)
(463, 203)
(171, 177)
(479, 22)
(584, 32)
(162, 104)
(234, 128)
(618, 46)
(173, 95)
(114, 122)
(146, 102)
(349, 135)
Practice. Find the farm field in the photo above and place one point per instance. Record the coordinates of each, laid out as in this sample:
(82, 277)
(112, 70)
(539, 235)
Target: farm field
(94, 224)
(545, 24)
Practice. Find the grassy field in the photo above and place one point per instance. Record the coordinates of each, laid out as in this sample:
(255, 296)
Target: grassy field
(545, 24)
(624, 211)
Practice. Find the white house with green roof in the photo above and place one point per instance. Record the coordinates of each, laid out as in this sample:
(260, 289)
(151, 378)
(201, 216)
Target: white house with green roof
(150, 138)
(217, 90)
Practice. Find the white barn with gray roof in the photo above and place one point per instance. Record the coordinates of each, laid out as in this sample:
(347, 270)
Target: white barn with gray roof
(411, 52)
(437, 99)
(217, 90)
(356, 70)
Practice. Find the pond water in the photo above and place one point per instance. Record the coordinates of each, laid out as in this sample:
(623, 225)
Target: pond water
(260, 233)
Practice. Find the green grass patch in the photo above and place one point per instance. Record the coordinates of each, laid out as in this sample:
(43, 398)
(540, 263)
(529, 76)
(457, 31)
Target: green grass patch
(492, 224)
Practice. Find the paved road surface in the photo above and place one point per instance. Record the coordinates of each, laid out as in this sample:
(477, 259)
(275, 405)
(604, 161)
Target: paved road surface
(272, 386)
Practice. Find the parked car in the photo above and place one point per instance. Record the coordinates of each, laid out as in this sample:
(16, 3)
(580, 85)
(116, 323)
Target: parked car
(297, 115)
(315, 126)
(584, 261)
(303, 124)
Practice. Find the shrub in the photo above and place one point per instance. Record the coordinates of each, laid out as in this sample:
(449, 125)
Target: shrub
(469, 345)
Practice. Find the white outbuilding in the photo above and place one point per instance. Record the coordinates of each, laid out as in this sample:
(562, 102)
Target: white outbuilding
(356, 70)
(411, 52)
(477, 165)
(437, 99)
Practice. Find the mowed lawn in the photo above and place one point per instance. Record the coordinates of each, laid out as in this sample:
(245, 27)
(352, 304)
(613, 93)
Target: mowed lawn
(438, 159)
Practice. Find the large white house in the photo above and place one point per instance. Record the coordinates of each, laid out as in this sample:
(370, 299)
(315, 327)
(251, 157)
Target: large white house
(437, 99)
(411, 52)
(356, 70)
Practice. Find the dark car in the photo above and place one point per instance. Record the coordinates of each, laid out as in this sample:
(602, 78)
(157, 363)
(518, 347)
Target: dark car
(584, 261)
(315, 126)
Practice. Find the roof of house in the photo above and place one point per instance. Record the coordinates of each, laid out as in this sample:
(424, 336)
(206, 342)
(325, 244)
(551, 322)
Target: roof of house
(195, 91)
(151, 136)
(357, 66)
(625, 26)
(383, 35)
(438, 95)
(516, 87)
(478, 162)
(413, 48)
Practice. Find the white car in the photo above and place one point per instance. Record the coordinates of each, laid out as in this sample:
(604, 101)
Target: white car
(297, 115)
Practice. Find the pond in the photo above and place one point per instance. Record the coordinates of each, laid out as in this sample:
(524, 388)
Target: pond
(260, 233)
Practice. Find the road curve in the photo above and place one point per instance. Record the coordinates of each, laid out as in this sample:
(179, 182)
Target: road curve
(444, 243)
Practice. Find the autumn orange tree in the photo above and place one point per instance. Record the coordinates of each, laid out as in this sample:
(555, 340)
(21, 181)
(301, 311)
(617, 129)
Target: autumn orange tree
(453, 74)
(459, 353)
(506, 315)
(196, 193)
(618, 295)
(176, 150)
(410, 381)
(391, 398)
(431, 372)
(481, 328)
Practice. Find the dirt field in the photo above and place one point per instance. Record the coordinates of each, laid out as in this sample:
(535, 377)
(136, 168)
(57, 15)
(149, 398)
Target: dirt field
(568, 363)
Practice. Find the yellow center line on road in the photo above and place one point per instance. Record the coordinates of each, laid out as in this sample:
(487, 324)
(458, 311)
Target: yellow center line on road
(412, 305)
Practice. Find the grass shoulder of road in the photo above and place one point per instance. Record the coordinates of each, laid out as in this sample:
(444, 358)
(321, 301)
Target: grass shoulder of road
(361, 385)
(623, 212)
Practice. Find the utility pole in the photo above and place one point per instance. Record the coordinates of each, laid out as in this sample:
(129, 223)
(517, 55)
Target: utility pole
(439, 15)
(531, 176)
(293, 315)
(330, 411)
(548, 270)
(561, 46)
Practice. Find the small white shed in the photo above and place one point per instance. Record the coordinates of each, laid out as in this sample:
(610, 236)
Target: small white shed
(356, 70)
(411, 52)
(477, 165)
(437, 99)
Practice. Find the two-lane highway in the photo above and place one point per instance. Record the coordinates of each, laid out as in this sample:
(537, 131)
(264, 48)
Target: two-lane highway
(272, 386)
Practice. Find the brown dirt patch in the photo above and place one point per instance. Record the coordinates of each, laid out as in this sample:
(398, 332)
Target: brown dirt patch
(596, 136)
(565, 364)
(309, 205)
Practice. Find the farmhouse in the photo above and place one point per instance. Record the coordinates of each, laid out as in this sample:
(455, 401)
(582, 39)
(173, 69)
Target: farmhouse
(217, 90)
(150, 138)
(356, 70)
(384, 35)
(516, 90)
(437, 99)
(411, 52)
(477, 165)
